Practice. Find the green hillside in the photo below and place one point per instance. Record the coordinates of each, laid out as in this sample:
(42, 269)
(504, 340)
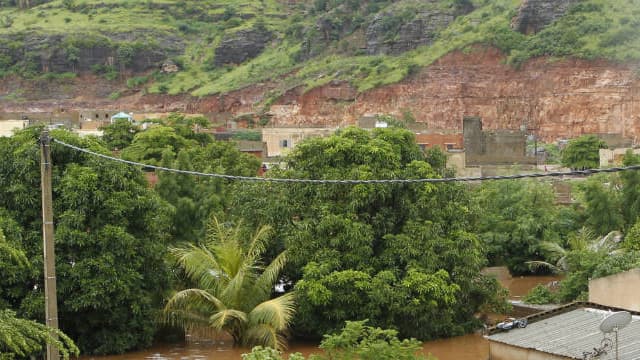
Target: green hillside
(311, 42)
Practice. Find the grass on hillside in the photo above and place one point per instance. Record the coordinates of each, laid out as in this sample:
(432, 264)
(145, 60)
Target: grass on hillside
(592, 29)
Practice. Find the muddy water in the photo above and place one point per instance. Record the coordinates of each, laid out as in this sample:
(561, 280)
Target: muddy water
(468, 347)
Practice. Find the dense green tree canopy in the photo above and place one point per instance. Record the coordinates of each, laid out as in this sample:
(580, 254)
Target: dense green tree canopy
(516, 217)
(583, 153)
(120, 134)
(398, 254)
(196, 198)
(110, 241)
(149, 146)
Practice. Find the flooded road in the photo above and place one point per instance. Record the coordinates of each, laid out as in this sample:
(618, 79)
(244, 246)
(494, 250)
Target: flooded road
(468, 347)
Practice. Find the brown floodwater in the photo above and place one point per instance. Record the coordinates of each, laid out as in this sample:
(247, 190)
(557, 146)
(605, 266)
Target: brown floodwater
(468, 347)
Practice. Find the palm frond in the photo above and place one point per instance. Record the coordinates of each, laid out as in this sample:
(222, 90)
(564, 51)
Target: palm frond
(537, 265)
(234, 293)
(191, 307)
(257, 245)
(552, 249)
(222, 319)
(277, 312)
(193, 297)
(270, 274)
(199, 263)
(265, 335)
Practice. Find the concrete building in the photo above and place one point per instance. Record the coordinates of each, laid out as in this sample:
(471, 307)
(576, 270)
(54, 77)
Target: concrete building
(8, 126)
(619, 290)
(494, 147)
(445, 140)
(280, 141)
(613, 157)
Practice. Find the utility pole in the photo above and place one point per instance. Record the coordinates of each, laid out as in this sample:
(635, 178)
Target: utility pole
(50, 299)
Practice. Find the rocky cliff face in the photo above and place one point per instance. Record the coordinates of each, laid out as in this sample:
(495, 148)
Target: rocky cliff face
(241, 46)
(534, 15)
(421, 29)
(559, 99)
(75, 53)
(553, 99)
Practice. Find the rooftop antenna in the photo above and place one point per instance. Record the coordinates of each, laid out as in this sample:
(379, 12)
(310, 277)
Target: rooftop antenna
(615, 322)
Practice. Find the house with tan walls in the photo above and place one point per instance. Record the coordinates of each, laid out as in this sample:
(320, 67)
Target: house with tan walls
(620, 290)
(280, 141)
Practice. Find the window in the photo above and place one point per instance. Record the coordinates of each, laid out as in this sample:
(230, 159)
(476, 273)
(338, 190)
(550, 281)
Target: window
(284, 143)
(449, 146)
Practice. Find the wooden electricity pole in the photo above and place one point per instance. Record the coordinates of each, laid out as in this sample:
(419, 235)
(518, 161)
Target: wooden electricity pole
(50, 299)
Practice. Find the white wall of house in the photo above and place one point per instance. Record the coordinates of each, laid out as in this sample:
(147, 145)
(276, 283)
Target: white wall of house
(8, 126)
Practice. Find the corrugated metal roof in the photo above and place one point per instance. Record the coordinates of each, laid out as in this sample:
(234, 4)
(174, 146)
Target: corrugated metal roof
(572, 333)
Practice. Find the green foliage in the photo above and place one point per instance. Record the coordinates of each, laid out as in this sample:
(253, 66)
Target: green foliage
(119, 134)
(355, 341)
(602, 206)
(110, 241)
(267, 353)
(402, 256)
(630, 190)
(151, 145)
(632, 238)
(583, 153)
(26, 337)
(436, 158)
(195, 199)
(516, 217)
(552, 152)
(232, 293)
(247, 135)
(359, 341)
(539, 295)
(586, 265)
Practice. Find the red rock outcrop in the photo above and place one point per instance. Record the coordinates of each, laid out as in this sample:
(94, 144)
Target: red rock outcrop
(553, 99)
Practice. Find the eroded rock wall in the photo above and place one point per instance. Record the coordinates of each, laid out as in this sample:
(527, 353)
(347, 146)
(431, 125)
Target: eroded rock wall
(552, 99)
(560, 99)
(534, 15)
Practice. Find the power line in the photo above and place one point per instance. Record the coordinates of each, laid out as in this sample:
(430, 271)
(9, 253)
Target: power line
(354, 181)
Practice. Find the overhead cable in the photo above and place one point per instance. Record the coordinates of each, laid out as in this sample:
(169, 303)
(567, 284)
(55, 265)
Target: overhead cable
(586, 172)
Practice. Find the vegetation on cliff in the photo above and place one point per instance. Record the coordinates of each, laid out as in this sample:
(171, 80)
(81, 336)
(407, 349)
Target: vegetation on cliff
(290, 44)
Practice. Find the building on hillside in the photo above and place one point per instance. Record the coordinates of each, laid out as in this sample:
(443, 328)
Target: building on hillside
(280, 141)
(255, 148)
(7, 127)
(122, 116)
(613, 157)
(445, 140)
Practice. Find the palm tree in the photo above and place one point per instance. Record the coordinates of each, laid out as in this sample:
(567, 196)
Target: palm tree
(583, 240)
(232, 290)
